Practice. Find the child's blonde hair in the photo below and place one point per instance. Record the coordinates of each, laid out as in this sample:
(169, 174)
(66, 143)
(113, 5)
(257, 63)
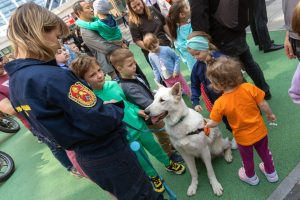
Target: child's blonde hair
(226, 72)
(81, 65)
(149, 41)
(118, 56)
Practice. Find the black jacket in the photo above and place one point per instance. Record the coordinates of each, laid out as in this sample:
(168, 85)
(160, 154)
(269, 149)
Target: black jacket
(229, 41)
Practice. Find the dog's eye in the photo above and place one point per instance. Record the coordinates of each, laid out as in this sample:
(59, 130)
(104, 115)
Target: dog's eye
(161, 100)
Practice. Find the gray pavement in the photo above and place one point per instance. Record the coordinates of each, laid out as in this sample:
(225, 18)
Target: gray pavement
(275, 15)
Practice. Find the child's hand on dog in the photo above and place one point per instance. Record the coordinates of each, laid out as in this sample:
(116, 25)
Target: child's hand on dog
(142, 113)
(198, 108)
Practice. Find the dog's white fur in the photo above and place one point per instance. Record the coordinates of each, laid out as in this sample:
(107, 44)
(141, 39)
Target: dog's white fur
(198, 145)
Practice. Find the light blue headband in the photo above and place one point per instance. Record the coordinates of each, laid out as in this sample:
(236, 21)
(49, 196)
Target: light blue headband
(198, 43)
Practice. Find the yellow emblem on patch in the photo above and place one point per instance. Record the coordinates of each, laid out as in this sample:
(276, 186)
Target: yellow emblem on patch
(82, 95)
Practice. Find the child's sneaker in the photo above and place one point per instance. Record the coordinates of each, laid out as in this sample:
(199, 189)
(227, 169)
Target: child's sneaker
(242, 175)
(175, 168)
(233, 144)
(272, 178)
(157, 184)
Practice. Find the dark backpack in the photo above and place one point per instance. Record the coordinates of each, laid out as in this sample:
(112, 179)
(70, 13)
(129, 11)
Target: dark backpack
(234, 14)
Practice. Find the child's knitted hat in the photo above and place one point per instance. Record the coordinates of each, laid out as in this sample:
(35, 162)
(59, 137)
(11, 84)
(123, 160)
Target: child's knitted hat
(102, 6)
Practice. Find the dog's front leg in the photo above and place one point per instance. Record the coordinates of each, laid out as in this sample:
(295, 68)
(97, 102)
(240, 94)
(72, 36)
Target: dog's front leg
(190, 162)
(216, 186)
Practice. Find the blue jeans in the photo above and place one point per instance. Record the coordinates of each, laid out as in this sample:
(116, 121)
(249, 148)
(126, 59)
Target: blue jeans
(117, 172)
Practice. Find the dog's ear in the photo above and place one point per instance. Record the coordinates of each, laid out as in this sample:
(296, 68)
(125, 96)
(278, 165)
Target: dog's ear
(176, 91)
(158, 84)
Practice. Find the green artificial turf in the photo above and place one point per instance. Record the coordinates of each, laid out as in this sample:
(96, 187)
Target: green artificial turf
(39, 176)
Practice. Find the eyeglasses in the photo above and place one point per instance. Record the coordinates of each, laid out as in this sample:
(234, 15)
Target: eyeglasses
(1, 58)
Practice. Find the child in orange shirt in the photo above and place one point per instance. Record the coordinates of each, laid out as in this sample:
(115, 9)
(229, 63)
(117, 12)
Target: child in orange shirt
(241, 104)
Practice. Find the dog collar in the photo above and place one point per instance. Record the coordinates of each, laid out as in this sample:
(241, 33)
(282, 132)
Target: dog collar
(180, 120)
(199, 130)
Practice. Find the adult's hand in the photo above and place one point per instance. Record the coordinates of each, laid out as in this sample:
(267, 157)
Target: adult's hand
(288, 47)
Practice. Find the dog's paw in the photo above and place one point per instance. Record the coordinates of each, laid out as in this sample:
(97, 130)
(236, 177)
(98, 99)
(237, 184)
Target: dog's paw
(228, 157)
(217, 188)
(192, 190)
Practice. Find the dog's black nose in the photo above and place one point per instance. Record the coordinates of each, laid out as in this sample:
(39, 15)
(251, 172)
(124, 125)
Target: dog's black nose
(147, 112)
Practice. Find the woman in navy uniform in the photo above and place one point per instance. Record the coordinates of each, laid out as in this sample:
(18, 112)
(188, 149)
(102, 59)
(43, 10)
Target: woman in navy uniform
(56, 103)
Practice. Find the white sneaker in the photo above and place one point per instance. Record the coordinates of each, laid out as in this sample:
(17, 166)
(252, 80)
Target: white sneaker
(272, 178)
(233, 144)
(254, 180)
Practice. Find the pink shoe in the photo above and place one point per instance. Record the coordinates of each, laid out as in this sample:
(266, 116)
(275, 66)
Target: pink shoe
(272, 178)
(252, 181)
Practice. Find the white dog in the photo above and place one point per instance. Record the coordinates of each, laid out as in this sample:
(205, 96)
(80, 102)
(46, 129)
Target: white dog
(185, 127)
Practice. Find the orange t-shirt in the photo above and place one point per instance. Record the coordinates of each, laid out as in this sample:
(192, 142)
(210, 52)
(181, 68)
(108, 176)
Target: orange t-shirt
(240, 106)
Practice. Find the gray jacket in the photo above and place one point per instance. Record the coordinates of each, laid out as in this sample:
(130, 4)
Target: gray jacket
(137, 92)
(99, 47)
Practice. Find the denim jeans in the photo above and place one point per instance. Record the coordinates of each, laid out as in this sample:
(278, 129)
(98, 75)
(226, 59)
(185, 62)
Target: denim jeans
(258, 25)
(118, 172)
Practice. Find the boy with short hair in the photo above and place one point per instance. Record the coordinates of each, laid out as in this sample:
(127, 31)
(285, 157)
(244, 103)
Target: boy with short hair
(62, 57)
(138, 93)
(87, 68)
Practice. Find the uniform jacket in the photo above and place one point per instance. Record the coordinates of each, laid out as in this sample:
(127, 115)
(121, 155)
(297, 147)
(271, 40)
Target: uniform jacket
(58, 105)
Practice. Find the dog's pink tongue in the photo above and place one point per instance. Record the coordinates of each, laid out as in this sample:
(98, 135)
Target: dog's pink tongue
(155, 119)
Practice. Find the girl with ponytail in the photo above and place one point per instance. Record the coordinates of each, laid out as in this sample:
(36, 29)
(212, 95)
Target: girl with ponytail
(180, 27)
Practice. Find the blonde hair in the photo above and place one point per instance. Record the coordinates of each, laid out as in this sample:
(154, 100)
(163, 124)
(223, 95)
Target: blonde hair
(26, 28)
(149, 41)
(135, 18)
(296, 19)
(118, 56)
(226, 72)
(81, 65)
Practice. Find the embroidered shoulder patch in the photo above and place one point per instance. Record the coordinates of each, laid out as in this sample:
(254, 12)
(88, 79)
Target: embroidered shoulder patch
(82, 95)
